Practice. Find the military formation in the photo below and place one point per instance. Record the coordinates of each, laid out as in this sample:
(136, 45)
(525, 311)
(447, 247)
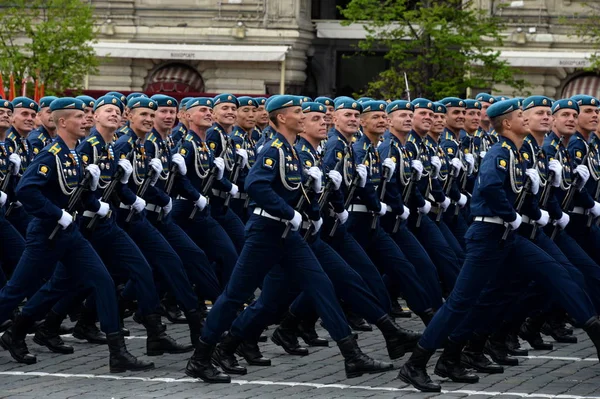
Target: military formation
(482, 214)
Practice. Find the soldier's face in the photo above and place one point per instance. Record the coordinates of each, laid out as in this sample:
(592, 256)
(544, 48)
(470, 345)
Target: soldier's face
(72, 122)
(262, 116)
(401, 121)
(455, 118)
(246, 117)
(5, 117)
(472, 120)
(89, 118)
(565, 122)
(108, 117)
(165, 118)
(588, 118)
(201, 116)
(45, 117)
(439, 123)
(539, 119)
(315, 126)
(484, 117)
(346, 121)
(141, 119)
(374, 122)
(23, 120)
(422, 120)
(329, 114)
(294, 119)
(225, 114)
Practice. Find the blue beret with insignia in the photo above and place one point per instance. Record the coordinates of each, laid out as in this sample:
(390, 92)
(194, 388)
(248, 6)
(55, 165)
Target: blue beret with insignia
(536, 101)
(364, 99)
(89, 101)
(565, 103)
(67, 103)
(6, 104)
(199, 102)
(183, 101)
(422, 103)
(373, 106)
(142, 102)
(283, 101)
(247, 101)
(347, 103)
(108, 100)
(164, 101)
(45, 101)
(133, 95)
(261, 100)
(472, 104)
(399, 105)
(120, 96)
(485, 98)
(503, 107)
(306, 99)
(501, 98)
(311, 106)
(583, 99)
(439, 108)
(453, 102)
(226, 98)
(324, 100)
(25, 102)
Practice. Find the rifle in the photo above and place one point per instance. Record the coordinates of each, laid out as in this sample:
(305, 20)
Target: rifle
(386, 174)
(303, 198)
(451, 178)
(168, 188)
(407, 88)
(235, 174)
(463, 185)
(596, 196)
(73, 202)
(408, 192)
(350, 196)
(568, 200)
(142, 188)
(520, 201)
(543, 202)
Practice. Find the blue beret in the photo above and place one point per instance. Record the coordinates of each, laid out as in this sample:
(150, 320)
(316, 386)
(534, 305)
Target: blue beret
(583, 99)
(501, 98)
(565, 103)
(108, 100)
(399, 105)
(453, 102)
(347, 103)
(89, 101)
(226, 98)
(472, 104)
(503, 107)
(364, 99)
(45, 101)
(306, 99)
(164, 101)
(536, 101)
(247, 101)
(260, 100)
(283, 101)
(324, 100)
(199, 102)
(310, 106)
(486, 98)
(67, 103)
(373, 106)
(142, 102)
(439, 108)
(133, 95)
(422, 103)
(25, 102)
(6, 104)
(183, 101)
(120, 96)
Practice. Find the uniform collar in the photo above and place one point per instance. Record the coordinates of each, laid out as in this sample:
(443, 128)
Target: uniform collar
(340, 135)
(303, 143)
(508, 142)
(431, 141)
(414, 137)
(449, 135)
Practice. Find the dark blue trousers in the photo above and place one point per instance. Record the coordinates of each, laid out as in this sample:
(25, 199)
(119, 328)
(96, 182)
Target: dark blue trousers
(588, 238)
(230, 222)
(11, 249)
(20, 219)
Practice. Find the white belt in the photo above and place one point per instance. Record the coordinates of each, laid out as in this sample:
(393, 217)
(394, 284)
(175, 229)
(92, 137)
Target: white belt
(123, 206)
(435, 209)
(489, 219)
(527, 219)
(89, 214)
(579, 210)
(224, 194)
(358, 208)
(179, 197)
(153, 208)
(305, 224)
(261, 212)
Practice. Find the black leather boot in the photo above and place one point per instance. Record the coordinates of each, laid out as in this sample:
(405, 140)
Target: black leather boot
(513, 345)
(414, 371)
(356, 362)
(530, 332)
(450, 366)
(86, 328)
(13, 340)
(200, 365)
(306, 331)
(557, 330)
(170, 310)
(285, 336)
(250, 351)
(473, 357)
(195, 320)
(48, 335)
(224, 355)
(499, 353)
(398, 312)
(398, 340)
(158, 342)
(592, 328)
(120, 359)
(356, 322)
(426, 316)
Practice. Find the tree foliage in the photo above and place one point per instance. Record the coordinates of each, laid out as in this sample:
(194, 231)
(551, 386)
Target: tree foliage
(444, 46)
(51, 38)
(587, 29)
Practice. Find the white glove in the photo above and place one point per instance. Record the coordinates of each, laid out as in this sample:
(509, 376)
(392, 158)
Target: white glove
(259, 148)
(563, 221)
(462, 201)
(595, 209)
(15, 160)
(544, 219)
(104, 208)
(445, 204)
(382, 210)
(201, 202)
(296, 221)
(65, 220)
(458, 166)
(336, 179)
(362, 175)
(17, 204)
(139, 205)
(95, 174)
(557, 168)
(342, 216)
(482, 154)
(317, 225)
(584, 175)
(534, 176)
(316, 175)
(167, 208)
(391, 165)
(405, 214)
(234, 189)
(516, 223)
(178, 160)
(418, 167)
(425, 208)
(436, 164)
(244, 155)
(3, 198)
(127, 170)
(470, 160)
(156, 165)
(220, 165)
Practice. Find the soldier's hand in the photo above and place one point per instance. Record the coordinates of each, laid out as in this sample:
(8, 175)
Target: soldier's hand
(94, 174)
(391, 165)
(405, 214)
(361, 170)
(65, 220)
(436, 164)
(425, 208)
(342, 216)
(3, 198)
(244, 155)
(534, 176)
(317, 176)
(457, 166)
(445, 204)
(317, 225)
(417, 167)
(515, 223)
(201, 202)
(220, 165)
(127, 170)
(584, 175)
(156, 165)
(470, 160)
(557, 168)
(167, 208)
(595, 209)
(139, 205)
(178, 160)
(544, 219)
(103, 210)
(382, 209)
(336, 179)
(15, 160)
(462, 201)
(296, 221)
(563, 221)
(482, 154)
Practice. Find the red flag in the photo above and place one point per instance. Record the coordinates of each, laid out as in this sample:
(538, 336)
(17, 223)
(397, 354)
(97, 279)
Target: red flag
(41, 94)
(36, 96)
(24, 86)
(11, 88)
(2, 93)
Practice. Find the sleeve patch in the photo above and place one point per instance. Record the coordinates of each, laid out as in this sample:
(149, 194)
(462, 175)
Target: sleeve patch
(502, 164)
(43, 170)
(450, 151)
(85, 158)
(183, 151)
(308, 163)
(36, 150)
(578, 154)
(268, 163)
(338, 155)
(212, 145)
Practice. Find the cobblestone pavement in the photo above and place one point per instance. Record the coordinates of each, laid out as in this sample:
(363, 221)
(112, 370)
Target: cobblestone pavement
(569, 372)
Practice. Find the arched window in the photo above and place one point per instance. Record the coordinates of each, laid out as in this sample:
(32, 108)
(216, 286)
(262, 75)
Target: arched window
(175, 78)
(583, 84)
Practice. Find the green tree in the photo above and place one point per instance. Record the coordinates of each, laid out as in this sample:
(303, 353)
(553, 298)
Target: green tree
(444, 46)
(588, 30)
(51, 38)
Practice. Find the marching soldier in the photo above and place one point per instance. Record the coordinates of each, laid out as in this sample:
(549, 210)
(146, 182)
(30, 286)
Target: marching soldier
(45, 133)
(89, 112)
